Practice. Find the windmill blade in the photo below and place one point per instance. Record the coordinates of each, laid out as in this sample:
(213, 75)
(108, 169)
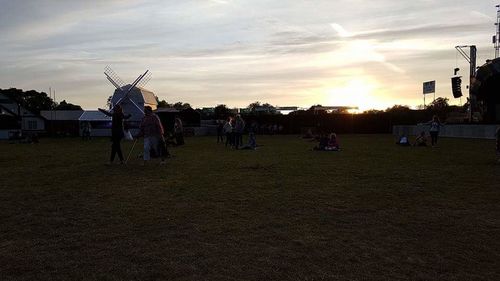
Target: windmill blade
(113, 76)
(138, 107)
(144, 80)
(130, 89)
(112, 81)
(137, 80)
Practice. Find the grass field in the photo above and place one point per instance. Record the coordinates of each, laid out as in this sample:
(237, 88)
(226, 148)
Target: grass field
(373, 211)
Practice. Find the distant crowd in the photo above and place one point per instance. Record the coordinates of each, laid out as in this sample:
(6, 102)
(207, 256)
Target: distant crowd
(230, 133)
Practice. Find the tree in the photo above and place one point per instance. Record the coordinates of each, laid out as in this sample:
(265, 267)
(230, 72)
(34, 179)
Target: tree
(398, 108)
(253, 105)
(439, 104)
(267, 105)
(67, 106)
(221, 111)
(315, 109)
(261, 108)
(181, 106)
(373, 111)
(163, 104)
(466, 106)
(32, 100)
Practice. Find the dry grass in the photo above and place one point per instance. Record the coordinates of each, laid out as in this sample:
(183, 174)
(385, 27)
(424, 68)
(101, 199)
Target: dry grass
(374, 211)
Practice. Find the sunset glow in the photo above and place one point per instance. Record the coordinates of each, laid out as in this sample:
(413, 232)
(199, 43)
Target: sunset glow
(361, 53)
(356, 92)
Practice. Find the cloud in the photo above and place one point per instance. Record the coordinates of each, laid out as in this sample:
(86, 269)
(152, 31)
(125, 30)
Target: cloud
(213, 51)
(340, 30)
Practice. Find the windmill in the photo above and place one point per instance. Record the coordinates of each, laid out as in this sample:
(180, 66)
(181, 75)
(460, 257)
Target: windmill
(132, 97)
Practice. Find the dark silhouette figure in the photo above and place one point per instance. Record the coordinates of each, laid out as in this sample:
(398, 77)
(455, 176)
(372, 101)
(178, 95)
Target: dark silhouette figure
(178, 131)
(220, 131)
(435, 126)
(117, 133)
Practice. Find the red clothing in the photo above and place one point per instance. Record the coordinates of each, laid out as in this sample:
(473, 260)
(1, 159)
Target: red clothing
(151, 126)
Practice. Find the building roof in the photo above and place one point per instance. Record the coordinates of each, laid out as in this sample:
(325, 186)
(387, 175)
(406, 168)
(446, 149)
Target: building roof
(94, 115)
(62, 115)
(149, 97)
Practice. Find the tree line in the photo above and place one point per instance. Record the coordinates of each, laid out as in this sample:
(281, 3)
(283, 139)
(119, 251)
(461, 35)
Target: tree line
(37, 101)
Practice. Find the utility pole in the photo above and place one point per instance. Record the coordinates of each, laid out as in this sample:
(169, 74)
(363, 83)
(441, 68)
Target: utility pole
(471, 59)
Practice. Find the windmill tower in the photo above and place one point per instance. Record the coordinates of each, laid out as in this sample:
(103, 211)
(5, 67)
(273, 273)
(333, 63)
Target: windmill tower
(132, 97)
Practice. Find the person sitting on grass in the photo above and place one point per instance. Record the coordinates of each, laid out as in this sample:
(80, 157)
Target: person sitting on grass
(403, 141)
(323, 142)
(421, 140)
(333, 143)
(252, 143)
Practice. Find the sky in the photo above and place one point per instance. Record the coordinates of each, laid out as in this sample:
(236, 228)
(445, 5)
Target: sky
(370, 54)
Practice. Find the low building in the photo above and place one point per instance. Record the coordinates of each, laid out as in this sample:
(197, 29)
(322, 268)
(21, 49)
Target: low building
(100, 123)
(27, 122)
(62, 122)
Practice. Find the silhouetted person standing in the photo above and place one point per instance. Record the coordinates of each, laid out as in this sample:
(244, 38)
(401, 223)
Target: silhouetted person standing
(178, 131)
(220, 131)
(152, 131)
(228, 130)
(434, 129)
(117, 118)
(239, 127)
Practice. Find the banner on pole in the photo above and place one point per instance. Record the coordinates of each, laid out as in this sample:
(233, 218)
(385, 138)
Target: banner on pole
(429, 87)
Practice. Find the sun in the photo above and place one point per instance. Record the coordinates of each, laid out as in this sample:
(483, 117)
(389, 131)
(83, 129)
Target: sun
(356, 92)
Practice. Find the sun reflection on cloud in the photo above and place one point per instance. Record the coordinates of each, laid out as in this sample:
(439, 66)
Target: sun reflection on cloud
(361, 92)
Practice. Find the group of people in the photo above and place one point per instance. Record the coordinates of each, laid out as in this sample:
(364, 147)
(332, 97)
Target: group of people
(328, 143)
(232, 130)
(421, 140)
(151, 129)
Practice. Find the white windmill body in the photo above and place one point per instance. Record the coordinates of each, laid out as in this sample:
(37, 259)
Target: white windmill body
(131, 97)
(134, 102)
